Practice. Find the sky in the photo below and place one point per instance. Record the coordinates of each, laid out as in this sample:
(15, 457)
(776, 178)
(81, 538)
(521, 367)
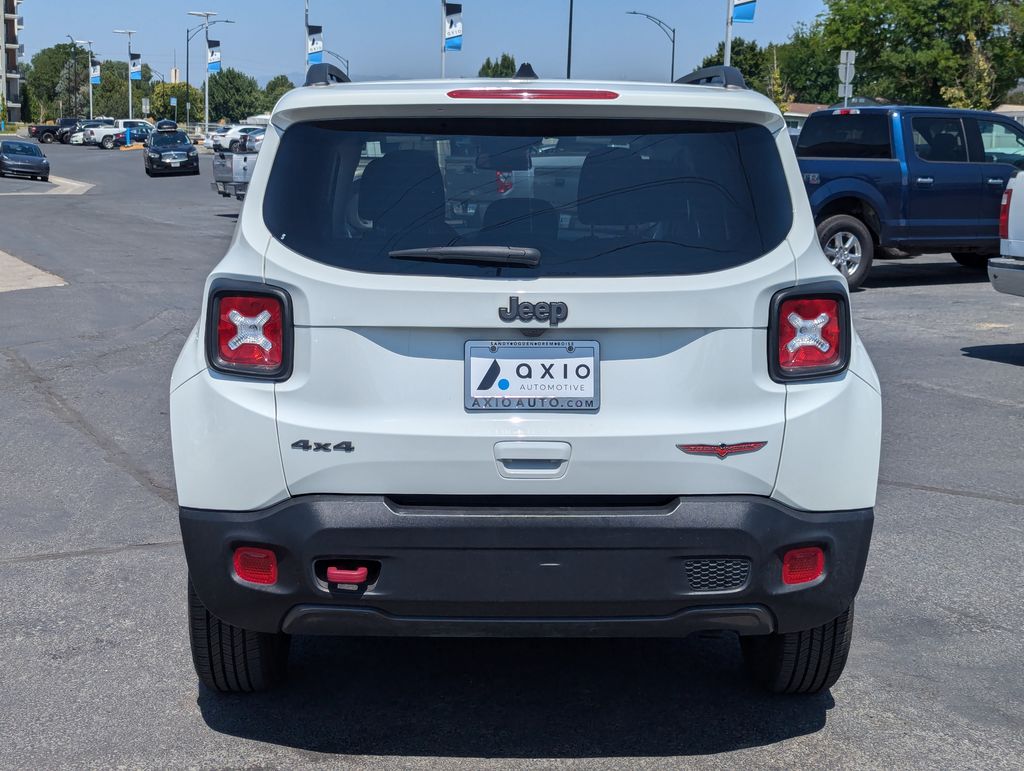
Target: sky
(401, 38)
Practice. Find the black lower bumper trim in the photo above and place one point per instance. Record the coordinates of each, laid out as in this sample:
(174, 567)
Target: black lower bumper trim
(501, 571)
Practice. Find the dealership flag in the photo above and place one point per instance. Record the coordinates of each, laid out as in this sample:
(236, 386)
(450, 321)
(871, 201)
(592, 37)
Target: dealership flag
(94, 72)
(453, 26)
(213, 61)
(135, 67)
(314, 44)
(743, 11)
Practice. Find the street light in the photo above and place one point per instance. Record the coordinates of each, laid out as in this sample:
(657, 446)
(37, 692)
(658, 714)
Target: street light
(568, 55)
(88, 44)
(74, 74)
(189, 34)
(129, 33)
(340, 58)
(670, 32)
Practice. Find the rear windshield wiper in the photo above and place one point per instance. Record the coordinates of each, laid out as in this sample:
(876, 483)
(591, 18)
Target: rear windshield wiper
(486, 255)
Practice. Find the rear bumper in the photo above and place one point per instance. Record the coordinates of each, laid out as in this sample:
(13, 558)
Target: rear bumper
(525, 572)
(1007, 275)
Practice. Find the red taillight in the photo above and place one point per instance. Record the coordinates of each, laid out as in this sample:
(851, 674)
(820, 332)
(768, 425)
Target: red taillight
(531, 93)
(252, 333)
(504, 181)
(799, 566)
(1004, 215)
(809, 334)
(255, 565)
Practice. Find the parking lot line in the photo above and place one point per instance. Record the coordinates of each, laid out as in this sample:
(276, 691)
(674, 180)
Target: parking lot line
(59, 186)
(16, 274)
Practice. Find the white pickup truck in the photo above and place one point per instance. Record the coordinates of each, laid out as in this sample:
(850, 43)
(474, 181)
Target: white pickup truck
(104, 135)
(1006, 272)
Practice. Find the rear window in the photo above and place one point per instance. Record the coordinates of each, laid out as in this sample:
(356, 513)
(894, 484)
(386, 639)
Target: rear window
(20, 148)
(593, 197)
(827, 135)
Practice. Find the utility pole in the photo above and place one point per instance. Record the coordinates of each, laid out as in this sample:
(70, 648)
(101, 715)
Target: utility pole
(74, 75)
(89, 43)
(568, 57)
(205, 15)
(129, 33)
(189, 34)
(670, 32)
(728, 33)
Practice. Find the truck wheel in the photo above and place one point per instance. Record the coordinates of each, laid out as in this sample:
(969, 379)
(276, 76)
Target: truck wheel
(849, 247)
(973, 260)
(800, 662)
(46, 138)
(107, 143)
(230, 659)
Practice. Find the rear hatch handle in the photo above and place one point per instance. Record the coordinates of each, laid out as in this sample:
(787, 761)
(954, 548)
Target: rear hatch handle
(532, 460)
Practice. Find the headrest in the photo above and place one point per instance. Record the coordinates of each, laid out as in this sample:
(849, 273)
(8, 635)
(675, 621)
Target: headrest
(404, 185)
(619, 187)
(520, 216)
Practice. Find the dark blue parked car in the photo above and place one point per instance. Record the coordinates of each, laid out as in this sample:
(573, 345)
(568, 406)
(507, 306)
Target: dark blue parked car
(918, 179)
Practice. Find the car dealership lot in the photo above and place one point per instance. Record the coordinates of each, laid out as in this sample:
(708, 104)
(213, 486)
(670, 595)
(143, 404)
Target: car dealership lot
(93, 653)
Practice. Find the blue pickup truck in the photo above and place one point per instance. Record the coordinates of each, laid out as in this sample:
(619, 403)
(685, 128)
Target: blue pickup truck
(917, 179)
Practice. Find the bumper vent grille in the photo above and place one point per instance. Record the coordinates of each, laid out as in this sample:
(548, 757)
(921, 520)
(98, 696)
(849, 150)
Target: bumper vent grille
(717, 574)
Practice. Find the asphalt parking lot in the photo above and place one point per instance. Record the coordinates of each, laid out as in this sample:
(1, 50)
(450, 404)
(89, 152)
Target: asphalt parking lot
(94, 662)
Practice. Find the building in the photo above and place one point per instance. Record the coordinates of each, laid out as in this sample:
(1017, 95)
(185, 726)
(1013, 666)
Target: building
(10, 52)
(797, 113)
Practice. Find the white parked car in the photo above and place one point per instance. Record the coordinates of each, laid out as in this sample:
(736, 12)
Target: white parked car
(104, 136)
(231, 139)
(643, 412)
(1006, 272)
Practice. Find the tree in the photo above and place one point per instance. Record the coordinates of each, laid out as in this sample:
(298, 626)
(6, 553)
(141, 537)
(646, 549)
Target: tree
(977, 89)
(277, 87)
(748, 57)
(234, 96)
(808, 65)
(160, 101)
(110, 97)
(505, 67)
(916, 51)
(778, 92)
(44, 78)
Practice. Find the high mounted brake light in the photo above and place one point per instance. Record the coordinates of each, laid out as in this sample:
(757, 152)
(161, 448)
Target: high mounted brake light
(846, 111)
(808, 333)
(249, 330)
(531, 93)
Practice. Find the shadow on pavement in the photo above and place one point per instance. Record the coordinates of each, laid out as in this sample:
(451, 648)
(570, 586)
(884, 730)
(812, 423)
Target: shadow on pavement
(516, 699)
(892, 273)
(1007, 353)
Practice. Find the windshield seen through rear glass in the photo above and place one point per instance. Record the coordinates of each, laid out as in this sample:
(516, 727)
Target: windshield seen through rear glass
(169, 139)
(593, 197)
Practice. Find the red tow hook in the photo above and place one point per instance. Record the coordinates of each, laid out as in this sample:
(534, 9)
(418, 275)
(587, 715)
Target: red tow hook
(342, 576)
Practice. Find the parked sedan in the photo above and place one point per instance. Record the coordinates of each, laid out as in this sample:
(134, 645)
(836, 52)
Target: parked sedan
(23, 159)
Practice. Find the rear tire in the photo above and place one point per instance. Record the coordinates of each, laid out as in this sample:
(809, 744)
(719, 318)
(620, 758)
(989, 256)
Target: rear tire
(230, 659)
(805, 662)
(46, 139)
(107, 143)
(849, 246)
(972, 260)
(233, 147)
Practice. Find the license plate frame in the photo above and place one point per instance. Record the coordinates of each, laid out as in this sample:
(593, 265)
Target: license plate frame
(571, 394)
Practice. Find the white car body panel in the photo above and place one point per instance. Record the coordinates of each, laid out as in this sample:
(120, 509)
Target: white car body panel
(1007, 272)
(379, 358)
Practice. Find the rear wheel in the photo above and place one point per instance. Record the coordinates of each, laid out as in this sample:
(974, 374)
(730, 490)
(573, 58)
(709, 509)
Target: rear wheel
(230, 659)
(107, 143)
(849, 246)
(800, 662)
(46, 138)
(233, 147)
(972, 260)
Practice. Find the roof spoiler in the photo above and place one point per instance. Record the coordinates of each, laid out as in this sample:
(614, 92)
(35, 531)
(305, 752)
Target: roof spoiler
(714, 76)
(324, 75)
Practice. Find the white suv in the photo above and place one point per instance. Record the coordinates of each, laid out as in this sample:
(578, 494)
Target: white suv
(641, 411)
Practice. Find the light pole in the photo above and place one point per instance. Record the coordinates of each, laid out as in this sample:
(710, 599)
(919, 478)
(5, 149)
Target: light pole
(129, 33)
(727, 59)
(74, 74)
(88, 44)
(340, 58)
(205, 15)
(669, 31)
(189, 34)
(568, 56)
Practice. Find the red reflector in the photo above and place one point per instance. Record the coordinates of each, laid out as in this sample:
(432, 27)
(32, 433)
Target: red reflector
(504, 181)
(809, 334)
(341, 576)
(249, 331)
(802, 565)
(530, 93)
(1004, 214)
(255, 565)
(722, 451)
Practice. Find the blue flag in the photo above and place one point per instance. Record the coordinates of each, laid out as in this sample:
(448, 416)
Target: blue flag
(453, 26)
(314, 44)
(94, 72)
(743, 11)
(213, 62)
(135, 67)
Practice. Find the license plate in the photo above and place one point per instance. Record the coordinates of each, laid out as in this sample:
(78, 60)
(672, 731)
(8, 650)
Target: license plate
(526, 375)
(175, 163)
(220, 187)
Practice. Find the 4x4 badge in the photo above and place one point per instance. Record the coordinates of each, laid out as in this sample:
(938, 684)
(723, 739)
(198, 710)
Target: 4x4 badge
(552, 312)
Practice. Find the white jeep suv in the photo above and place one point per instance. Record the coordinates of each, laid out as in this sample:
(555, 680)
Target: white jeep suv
(639, 411)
